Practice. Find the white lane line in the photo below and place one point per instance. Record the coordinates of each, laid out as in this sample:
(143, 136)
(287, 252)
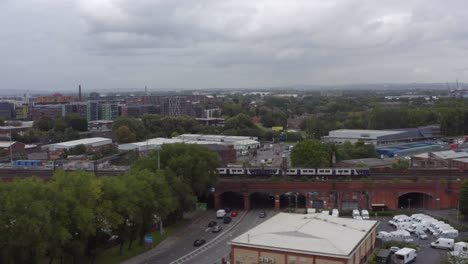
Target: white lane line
(208, 245)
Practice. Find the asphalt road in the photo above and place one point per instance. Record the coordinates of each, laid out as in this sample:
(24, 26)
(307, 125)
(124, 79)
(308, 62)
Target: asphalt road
(216, 247)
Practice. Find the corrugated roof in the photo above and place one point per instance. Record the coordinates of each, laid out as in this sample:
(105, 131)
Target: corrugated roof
(315, 234)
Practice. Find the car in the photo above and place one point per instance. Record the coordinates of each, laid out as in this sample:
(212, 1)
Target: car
(394, 249)
(262, 214)
(227, 210)
(234, 213)
(227, 220)
(421, 234)
(212, 223)
(216, 229)
(199, 242)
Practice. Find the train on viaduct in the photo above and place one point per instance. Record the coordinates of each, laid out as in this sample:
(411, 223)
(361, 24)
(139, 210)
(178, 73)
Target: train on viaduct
(382, 189)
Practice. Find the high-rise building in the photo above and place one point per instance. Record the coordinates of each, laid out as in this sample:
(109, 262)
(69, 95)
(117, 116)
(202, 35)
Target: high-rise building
(22, 112)
(51, 111)
(79, 108)
(6, 110)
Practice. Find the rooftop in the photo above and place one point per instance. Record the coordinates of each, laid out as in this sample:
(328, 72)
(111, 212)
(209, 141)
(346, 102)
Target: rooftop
(316, 234)
(6, 144)
(84, 141)
(362, 133)
(450, 154)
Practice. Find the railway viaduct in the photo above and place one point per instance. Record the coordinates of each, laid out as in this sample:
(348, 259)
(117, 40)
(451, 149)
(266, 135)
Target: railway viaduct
(342, 195)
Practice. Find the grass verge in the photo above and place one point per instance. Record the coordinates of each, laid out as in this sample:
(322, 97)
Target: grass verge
(112, 255)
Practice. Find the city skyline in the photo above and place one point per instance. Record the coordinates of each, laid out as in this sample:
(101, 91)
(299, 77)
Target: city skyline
(55, 45)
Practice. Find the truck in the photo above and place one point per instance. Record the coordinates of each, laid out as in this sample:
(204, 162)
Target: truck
(405, 255)
(365, 214)
(443, 243)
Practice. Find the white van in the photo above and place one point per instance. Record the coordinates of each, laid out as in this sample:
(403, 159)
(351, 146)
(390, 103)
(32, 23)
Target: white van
(432, 226)
(460, 250)
(452, 233)
(436, 228)
(405, 255)
(220, 213)
(417, 227)
(403, 225)
(365, 214)
(392, 221)
(335, 213)
(414, 216)
(441, 229)
(403, 221)
(356, 214)
(443, 243)
(385, 236)
(401, 235)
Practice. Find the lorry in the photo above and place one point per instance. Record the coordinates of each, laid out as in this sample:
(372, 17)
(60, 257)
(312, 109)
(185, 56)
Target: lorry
(365, 214)
(443, 243)
(405, 255)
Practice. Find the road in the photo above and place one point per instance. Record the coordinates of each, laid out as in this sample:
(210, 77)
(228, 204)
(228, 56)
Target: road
(181, 249)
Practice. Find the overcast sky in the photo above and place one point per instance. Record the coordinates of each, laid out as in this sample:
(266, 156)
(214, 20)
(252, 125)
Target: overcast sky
(105, 44)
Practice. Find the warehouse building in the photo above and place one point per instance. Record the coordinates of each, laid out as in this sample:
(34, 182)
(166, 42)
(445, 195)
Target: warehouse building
(240, 143)
(90, 143)
(383, 137)
(306, 239)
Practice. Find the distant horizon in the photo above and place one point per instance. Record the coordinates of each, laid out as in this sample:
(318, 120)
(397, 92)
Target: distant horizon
(296, 87)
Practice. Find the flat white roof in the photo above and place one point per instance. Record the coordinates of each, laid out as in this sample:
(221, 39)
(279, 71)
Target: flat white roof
(314, 234)
(361, 133)
(450, 154)
(6, 144)
(84, 141)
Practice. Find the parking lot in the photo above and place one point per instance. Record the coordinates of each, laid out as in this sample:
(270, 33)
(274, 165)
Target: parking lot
(426, 254)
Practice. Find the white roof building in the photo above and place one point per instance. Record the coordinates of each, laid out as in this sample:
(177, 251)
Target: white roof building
(150, 144)
(88, 142)
(311, 234)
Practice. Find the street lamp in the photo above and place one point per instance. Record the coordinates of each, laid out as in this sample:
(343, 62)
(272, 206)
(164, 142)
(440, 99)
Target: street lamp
(158, 148)
(409, 204)
(438, 205)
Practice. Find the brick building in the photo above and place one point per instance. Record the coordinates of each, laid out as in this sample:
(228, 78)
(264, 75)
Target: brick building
(306, 239)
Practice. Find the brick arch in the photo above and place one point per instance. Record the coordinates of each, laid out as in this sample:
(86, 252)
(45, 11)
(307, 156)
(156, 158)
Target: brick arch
(416, 199)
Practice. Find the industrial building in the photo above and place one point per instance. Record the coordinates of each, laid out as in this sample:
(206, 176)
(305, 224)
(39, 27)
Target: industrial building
(383, 137)
(440, 159)
(89, 143)
(306, 239)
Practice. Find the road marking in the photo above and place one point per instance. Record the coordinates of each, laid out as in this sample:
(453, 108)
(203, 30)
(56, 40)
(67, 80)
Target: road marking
(209, 244)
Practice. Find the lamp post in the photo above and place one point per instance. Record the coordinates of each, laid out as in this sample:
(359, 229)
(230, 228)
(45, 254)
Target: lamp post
(438, 205)
(158, 148)
(409, 204)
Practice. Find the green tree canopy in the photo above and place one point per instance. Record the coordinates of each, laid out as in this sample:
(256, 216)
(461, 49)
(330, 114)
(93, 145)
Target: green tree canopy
(310, 153)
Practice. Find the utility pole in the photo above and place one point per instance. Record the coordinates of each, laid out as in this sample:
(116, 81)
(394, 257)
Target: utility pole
(11, 149)
(409, 204)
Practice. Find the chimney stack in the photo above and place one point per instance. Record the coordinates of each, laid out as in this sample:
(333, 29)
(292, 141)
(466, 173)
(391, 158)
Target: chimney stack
(79, 92)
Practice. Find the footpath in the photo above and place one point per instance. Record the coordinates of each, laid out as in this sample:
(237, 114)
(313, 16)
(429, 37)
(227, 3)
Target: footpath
(195, 218)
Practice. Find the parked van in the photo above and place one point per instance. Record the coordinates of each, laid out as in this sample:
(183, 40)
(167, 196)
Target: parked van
(356, 214)
(383, 257)
(443, 243)
(421, 218)
(460, 250)
(365, 214)
(416, 227)
(385, 236)
(401, 235)
(442, 228)
(414, 216)
(311, 210)
(436, 228)
(432, 226)
(405, 255)
(403, 225)
(392, 221)
(453, 233)
(220, 213)
(335, 213)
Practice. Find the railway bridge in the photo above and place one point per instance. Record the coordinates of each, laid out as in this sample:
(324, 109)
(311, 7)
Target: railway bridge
(376, 195)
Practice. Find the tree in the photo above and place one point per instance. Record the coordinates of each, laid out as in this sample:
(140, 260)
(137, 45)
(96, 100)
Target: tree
(310, 153)
(76, 122)
(463, 199)
(401, 164)
(135, 126)
(125, 135)
(44, 123)
(78, 150)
